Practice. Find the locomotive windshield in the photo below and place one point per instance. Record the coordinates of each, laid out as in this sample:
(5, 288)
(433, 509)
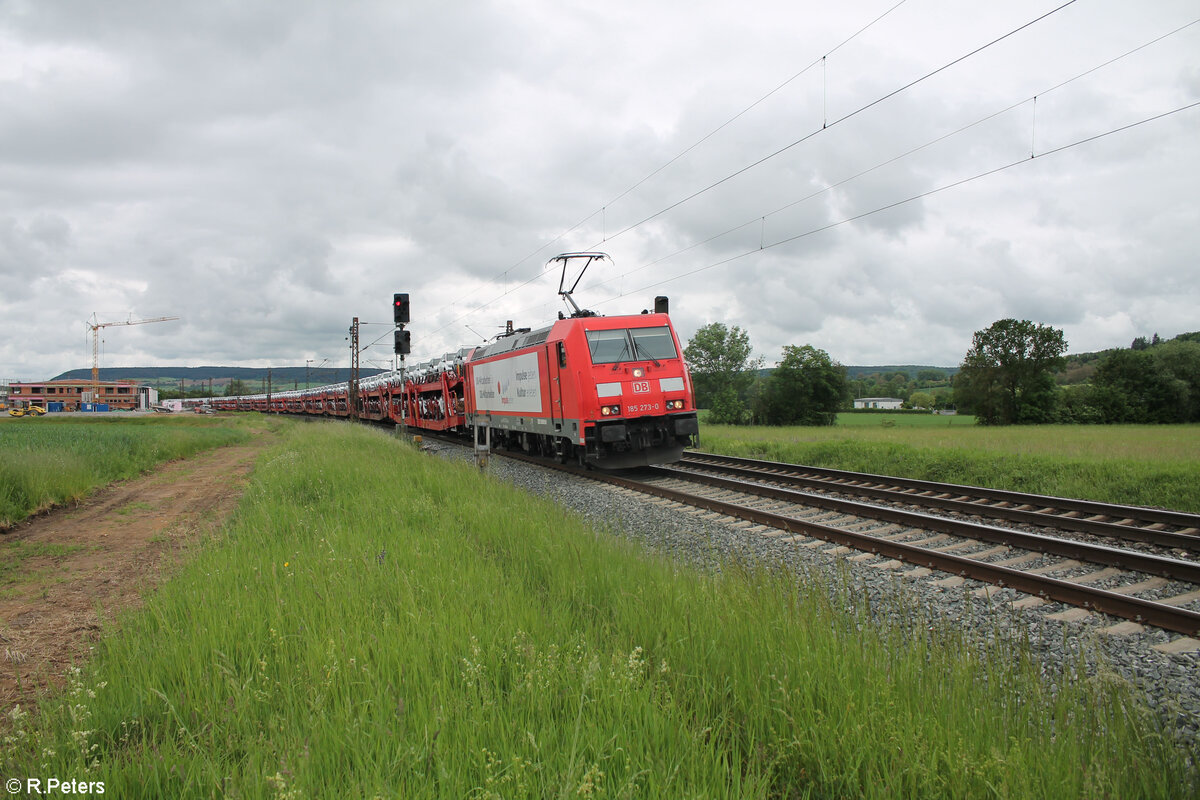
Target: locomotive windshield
(634, 344)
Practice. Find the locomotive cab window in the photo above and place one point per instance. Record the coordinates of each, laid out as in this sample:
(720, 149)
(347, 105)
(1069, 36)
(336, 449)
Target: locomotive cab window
(637, 344)
(608, 347)
(653, 343)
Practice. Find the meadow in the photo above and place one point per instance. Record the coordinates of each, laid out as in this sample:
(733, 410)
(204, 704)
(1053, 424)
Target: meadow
(379, 622)
(52, 460)
(1150, 465)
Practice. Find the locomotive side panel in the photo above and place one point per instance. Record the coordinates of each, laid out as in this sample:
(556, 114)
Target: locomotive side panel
(512, 393)
(511, 385)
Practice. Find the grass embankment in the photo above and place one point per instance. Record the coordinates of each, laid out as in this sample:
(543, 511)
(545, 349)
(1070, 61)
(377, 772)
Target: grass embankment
(379, 622)
(48, 461)
(1150, 465)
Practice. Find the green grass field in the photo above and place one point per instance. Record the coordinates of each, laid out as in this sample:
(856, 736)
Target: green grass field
(378, 622)
(47, 461)
(1151, 465)
(886, 420)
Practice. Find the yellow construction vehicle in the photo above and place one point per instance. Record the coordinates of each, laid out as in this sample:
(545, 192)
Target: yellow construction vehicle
(28, 411)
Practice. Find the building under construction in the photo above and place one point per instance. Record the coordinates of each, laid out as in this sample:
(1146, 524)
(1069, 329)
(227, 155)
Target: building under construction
(82, 395)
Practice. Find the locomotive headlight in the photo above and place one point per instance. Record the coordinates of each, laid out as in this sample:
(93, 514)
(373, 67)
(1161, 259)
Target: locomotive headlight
(604, 411)
(639, 372)
(609, 411)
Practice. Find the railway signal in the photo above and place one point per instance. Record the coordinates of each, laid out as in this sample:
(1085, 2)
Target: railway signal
(403, 344)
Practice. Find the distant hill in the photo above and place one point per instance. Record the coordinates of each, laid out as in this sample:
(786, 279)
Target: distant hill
(852, 372)
(1081, 367)
(281, 377)
(910, 370)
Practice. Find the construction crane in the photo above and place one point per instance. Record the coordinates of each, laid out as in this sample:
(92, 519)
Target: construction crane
(96, 326)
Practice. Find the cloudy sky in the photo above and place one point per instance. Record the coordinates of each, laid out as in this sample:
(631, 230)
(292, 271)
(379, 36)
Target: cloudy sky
(855, 176)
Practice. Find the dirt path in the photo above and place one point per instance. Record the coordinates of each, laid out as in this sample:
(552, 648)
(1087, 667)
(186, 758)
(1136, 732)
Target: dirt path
(99, 558)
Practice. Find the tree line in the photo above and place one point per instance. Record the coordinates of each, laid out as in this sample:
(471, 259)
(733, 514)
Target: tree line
(1015, 372)
(806, 387)
(1008, 377)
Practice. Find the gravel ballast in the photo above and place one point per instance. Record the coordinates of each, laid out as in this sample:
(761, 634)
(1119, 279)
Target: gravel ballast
(1170, 682)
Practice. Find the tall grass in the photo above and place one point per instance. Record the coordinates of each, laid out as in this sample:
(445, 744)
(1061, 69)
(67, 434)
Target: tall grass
(908, 419)
(48, 461)
(1151, 465)
(380, 623)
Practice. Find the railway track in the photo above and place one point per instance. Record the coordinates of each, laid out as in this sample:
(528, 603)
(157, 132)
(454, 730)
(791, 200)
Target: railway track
(1142, 587)
(1169, 529)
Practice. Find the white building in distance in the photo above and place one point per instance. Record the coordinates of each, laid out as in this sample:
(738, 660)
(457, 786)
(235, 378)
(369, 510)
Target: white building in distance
(878, 402)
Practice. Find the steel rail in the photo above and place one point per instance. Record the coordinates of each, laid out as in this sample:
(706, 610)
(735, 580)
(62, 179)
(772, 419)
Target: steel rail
(855, 483)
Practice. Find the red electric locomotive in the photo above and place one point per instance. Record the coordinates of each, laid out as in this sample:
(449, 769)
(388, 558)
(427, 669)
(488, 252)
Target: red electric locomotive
(610, 391)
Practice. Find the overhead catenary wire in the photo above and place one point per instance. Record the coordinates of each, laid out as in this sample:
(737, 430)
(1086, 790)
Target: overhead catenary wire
(993, 115)
(829, 125)
(757, 102)
(930, 192)
(760, 219)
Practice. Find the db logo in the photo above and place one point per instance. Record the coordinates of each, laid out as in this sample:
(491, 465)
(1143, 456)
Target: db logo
(641, 387)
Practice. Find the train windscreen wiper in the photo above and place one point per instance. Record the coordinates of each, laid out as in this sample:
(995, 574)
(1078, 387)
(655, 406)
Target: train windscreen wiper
(637, 349)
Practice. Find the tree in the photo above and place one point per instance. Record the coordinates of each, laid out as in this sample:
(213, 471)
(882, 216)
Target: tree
(722, 370)
(236, 388)
(896, 386)
(1006, 378)
(920, 400)
(1079, 404)
(1181, 357)
(805, 388)
(1136, 386)
(943, 397)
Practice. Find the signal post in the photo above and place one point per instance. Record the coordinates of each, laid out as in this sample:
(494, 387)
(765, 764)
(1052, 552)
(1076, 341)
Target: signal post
(402, 347)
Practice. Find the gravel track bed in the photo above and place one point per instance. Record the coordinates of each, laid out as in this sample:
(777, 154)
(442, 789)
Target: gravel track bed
(1169, 682)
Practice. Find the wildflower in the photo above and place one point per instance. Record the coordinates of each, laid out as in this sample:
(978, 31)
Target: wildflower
(590, 780)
